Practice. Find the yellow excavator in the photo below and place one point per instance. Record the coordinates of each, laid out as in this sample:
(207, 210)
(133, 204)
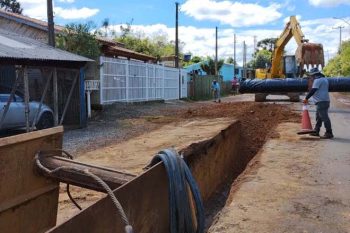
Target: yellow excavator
(307, 55)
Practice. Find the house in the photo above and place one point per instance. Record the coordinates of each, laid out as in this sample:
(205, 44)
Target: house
(227, 71)
(37, 29)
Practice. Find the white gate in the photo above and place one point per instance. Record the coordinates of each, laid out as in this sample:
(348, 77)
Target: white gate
(131, 81)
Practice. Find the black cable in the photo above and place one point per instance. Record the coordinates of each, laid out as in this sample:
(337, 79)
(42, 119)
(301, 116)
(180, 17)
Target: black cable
(180, 178)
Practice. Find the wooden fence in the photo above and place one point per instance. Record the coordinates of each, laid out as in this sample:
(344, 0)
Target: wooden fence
(199, 87)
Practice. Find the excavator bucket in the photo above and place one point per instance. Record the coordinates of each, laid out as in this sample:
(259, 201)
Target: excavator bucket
(309, 55)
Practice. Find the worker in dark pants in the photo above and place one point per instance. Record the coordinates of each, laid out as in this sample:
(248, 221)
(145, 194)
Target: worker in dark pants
(320, 94)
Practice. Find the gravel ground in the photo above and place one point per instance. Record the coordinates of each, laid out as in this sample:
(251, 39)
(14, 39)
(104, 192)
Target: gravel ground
(118, 122)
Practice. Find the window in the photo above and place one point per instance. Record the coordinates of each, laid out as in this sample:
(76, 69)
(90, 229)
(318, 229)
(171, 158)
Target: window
(18, 98)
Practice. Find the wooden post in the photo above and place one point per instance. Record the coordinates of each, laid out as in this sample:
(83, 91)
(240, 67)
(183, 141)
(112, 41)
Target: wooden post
(55, 97)
(26, 97)
(69, 97)
(42, 99)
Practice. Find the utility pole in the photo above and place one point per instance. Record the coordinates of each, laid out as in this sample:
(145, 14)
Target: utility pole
(340, 28)
(216, 50)
(244, 60)
(50, 23)
(234, 49)
(177, 36)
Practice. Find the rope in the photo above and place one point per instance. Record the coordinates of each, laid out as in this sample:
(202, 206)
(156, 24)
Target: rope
(72, 199)
(128, 227)
(180, 178)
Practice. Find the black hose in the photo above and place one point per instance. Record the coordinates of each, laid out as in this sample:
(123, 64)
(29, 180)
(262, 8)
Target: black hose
(180, 178)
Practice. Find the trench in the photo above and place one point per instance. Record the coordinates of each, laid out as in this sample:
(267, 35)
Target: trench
(257, 125)
(215, 162)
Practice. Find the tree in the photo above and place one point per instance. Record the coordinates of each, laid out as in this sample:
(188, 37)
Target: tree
(105, 25)
(208, 66)
(340, 64)
(11, 6)
(126, 30)
(230, 60)
(156, 46)
(78, 39)
(261, 59)
(194, 60)
(267, 44)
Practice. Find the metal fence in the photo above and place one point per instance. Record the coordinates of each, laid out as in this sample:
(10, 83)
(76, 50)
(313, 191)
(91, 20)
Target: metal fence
(131, 81)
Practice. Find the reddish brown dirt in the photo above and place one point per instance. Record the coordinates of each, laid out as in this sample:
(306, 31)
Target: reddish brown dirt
(258, 123)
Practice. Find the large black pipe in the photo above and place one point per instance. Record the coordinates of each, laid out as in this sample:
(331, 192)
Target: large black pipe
(290, 85)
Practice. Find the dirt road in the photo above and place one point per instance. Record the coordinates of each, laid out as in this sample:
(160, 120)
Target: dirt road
(296, 184)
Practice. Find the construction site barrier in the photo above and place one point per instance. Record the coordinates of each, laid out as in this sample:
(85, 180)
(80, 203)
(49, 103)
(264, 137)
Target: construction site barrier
(290, 85)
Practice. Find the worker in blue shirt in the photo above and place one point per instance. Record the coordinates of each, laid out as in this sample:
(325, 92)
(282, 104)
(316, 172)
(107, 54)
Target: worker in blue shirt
(320, 94)
(215, 87)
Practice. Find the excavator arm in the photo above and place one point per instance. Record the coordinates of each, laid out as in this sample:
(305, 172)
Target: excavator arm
(307, 53)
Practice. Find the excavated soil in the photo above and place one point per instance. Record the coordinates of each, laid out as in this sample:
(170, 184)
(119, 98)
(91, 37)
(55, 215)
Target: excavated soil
(258, 123)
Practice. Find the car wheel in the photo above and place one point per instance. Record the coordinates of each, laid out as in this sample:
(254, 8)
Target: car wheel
(45, 121)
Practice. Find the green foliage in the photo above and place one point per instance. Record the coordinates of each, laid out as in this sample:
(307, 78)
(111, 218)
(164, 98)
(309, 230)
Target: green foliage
(340, 64)
(78, 39)
(230, 60)
(194, 60)
(209, 65)
(267, 44)
(261, 58)
(157, 46)
(11, 6)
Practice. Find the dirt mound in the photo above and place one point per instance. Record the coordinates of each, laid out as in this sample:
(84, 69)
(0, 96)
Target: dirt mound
(258, 120)
(258, 123)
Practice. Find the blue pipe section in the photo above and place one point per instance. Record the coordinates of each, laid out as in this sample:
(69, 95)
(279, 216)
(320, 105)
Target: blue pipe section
(180, 178)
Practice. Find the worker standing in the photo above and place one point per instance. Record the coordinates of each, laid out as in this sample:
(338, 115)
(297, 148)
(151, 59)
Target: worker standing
(235, 85)
(215, 87)
(320, 94)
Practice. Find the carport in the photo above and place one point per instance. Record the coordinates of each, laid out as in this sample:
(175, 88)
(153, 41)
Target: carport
(44, 74)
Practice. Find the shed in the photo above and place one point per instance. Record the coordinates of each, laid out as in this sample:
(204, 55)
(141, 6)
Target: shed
(46, 74)
(227, 71)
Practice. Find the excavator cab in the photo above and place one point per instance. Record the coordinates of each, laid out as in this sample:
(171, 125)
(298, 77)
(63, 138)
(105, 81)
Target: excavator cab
(309, 55)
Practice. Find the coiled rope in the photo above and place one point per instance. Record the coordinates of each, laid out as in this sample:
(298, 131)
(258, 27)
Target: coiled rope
(180, 178)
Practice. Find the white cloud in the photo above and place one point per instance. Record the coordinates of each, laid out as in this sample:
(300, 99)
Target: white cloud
(236, 14)
(74, 13)
(328, 3)
(201, 41)
(37, 9)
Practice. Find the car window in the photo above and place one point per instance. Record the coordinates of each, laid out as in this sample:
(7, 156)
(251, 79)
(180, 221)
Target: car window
(18, 98)
(4, 98)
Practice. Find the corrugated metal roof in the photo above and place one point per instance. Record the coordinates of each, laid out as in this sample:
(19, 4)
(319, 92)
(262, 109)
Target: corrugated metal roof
(14, 46)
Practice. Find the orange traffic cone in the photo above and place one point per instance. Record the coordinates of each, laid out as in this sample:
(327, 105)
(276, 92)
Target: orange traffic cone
(306, 127)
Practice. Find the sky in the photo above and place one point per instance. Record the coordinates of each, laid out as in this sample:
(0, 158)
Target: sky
(198, 19)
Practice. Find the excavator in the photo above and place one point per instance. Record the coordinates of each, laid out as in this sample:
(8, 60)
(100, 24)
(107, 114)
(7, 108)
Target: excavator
(306, 56)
